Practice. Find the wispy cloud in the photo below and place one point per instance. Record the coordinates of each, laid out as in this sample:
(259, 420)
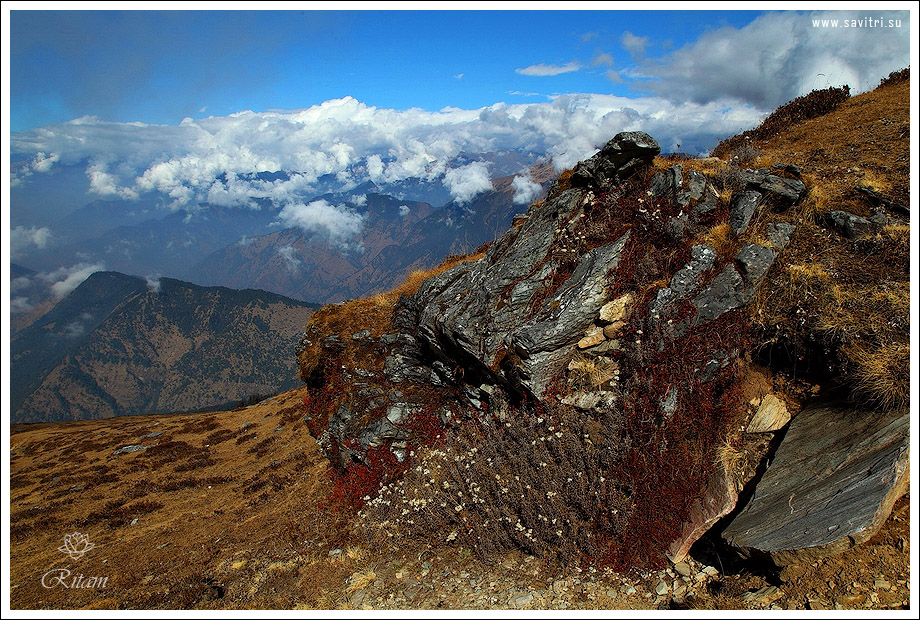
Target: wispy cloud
(633, 44)
(712, 67)
(545, 70)
(603, 59)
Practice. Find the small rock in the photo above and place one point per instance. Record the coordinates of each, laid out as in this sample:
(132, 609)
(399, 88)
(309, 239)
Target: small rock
(617, 309)
(520, 600)
(133, 521)
(771, 416)
(710, 570)
(628, 590)
(849, 225)
(662, 588)
(129, 449)
(682, 568)
(611, 331)
(593, 337)
(882, 584)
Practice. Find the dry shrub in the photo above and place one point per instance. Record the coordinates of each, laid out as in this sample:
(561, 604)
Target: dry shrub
(814, 104)
(535, 482)
(896, 77)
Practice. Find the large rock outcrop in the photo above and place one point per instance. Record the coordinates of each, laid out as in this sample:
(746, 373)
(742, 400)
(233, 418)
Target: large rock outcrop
(614, 298)
(831, 485)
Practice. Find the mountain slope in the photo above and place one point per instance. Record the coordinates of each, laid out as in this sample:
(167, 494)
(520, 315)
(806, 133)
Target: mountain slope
(115, 347)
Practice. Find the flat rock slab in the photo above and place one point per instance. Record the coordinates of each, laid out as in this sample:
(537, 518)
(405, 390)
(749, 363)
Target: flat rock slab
(831, 485)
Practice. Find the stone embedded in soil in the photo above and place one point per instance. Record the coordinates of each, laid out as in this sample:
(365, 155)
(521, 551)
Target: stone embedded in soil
(741, 208)
(849, 225)
(771, 416)
(831, 484)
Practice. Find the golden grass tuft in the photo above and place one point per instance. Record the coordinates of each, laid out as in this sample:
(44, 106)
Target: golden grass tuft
(883, 374)
(360, 580)
(719, 238)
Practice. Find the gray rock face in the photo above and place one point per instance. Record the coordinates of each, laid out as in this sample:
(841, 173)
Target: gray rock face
(779, 234)
(726, 292)
(831, 484)
(129, 449)
(850, 226)
(782, 192)
(741, 208)
(627, 152)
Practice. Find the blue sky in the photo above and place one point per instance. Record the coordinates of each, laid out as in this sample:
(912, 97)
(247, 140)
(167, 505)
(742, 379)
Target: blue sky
(160, 67)
(162, 105)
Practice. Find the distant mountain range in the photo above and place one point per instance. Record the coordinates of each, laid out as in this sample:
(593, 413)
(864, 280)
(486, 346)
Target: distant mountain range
(250, 246)
(120, 345)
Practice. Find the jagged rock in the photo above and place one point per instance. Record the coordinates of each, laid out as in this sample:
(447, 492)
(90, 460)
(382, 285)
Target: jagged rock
(696, 184)
(362, 336)
(849, 225)
(754, 261)
(778, 234)
(627, 152)
(830, 486)
(741, 208)
(771, 415)
(790, 168)
(708, 202)
(785, 191)
(727, 291)
(763, 596)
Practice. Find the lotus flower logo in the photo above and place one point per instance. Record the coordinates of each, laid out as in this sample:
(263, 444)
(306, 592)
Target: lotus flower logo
(76, 545)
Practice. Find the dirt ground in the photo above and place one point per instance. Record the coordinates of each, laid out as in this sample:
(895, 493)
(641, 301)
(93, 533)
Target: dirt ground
(223, 511)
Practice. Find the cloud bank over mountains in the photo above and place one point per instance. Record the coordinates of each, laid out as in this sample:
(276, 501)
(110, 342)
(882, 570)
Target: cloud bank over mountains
(212, 160)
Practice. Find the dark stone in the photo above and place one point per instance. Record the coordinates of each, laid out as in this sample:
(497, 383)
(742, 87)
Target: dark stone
(785, 191)
(727, 291)
(849, 225)
(741, 209)
(790, 168)
(622, 156)
(831, 484)
(696, 183)
(754, 261)
(779, 234)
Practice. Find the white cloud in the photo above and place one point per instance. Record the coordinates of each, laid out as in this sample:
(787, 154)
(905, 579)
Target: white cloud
(459, 76)
(467, 181)
(22, 237)
(20, 305)
(153, 284)
(359, 200)
(525, 190)
(633, 44)
(780, 56)
(64, 280)
(339, 223)
(545, 70)
(289, 254)
(404, 210)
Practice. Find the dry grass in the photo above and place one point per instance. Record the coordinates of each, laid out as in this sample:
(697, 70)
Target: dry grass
(883, 374)
(719, 238)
